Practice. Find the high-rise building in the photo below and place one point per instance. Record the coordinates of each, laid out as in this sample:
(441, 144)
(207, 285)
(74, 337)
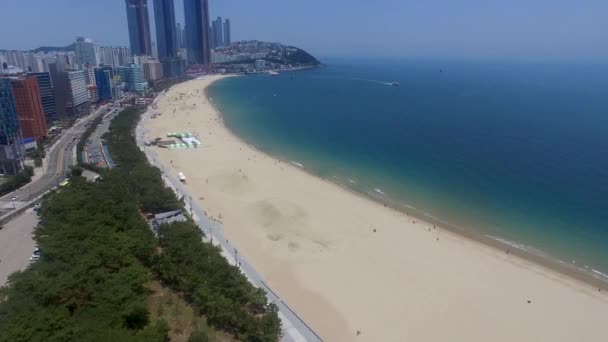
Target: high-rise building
(178, 34)
(139, 27)
(93, 93)
(183, 33)
(124, 56)
(198, 42)
(87, 52)
(132, 76)
(78, 102)
(116, 57)
(227, 38)
(107, 56)
(11, 147)
(166, 38)
(61, 90)
(174, 67)
(28, 104)
(46, 96)
(104, 77)
(34, 63)
(218, 33)
(153, 70)
(90, 74)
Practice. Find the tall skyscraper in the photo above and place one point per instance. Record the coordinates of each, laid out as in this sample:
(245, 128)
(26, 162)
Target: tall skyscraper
(227, 38)
(198, 42)
(183, 34)
(178, 34)
(61, 89)
(166, 38)
(46, 96)
(218, 33)
(28, 103)
(139, 27)
(11, 147)
(87, 52)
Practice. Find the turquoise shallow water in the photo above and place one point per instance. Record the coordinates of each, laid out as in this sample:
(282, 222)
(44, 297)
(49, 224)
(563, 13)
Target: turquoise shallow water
(513, 150)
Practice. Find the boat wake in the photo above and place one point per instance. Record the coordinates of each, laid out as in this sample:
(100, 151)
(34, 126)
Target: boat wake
(374, 81)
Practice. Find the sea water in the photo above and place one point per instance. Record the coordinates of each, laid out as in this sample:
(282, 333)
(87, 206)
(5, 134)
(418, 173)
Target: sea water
(513, 150)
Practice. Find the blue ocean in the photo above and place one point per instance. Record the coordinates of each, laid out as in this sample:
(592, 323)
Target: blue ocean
(513, 150)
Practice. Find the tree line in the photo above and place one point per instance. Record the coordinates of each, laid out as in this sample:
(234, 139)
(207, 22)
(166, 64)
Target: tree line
(98, 253)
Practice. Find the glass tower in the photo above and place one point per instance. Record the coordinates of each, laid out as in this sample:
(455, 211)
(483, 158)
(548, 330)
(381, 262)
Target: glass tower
(139, 27)
(166, 38)
(197, 31)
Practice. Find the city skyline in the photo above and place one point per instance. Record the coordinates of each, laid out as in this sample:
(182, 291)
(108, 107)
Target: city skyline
(470, 28)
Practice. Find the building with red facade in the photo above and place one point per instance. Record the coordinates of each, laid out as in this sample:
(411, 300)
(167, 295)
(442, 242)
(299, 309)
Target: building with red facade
(28, 103)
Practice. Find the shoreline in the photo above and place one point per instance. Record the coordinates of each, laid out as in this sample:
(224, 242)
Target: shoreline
(540, 258)
(290, 273)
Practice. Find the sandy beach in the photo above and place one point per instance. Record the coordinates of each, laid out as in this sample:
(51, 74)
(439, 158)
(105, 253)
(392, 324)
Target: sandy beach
(345, 263)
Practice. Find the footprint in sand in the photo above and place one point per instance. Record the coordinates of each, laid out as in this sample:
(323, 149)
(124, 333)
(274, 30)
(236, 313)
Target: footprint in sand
(293, 246)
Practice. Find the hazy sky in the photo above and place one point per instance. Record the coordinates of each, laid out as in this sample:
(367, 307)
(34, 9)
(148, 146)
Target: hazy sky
(554, 29)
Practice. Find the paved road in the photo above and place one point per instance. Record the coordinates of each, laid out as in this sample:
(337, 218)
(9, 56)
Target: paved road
(60, 157)
(294, 328)
(94, 153)
(16, 244)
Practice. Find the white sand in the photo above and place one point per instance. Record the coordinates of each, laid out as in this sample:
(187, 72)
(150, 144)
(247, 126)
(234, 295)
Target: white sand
(313, 242)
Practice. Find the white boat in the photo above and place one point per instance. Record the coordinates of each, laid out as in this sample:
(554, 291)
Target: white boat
(182, 178)
(273, 73)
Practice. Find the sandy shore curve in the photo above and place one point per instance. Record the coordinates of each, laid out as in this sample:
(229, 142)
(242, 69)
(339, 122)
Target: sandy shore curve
(345, 263)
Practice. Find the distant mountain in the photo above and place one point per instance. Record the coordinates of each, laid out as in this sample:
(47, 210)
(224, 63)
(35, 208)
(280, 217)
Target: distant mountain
(249, 51)
(299, 57)
(47, 49)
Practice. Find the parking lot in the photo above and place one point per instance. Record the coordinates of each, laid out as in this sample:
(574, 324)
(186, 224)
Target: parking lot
(16, 244)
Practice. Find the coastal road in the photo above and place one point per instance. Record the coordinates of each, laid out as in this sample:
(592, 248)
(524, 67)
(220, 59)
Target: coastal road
(16, 244)
(294, 328)
(60, 157)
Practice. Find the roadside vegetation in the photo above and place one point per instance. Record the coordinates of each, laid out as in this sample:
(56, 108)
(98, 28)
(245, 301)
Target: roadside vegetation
(104, 276)
(38, 154)
(14, 182)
